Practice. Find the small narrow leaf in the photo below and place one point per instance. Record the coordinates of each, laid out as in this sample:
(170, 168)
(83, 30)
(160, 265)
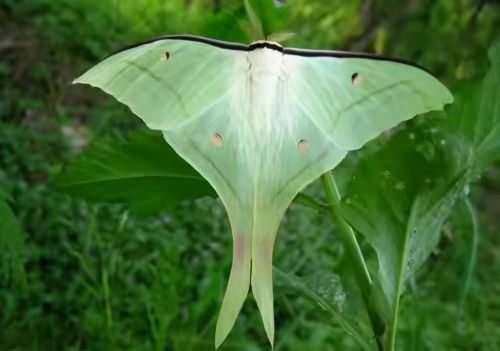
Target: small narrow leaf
(472, 245)
(272, 16)
(257, 32)
(12, 244)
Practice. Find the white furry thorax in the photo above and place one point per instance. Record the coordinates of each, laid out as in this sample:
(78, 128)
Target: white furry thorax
(260, 116)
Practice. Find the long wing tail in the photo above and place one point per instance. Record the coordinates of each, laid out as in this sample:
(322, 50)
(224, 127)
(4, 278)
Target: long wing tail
(262, 280)
(252, 252)
(237, 287)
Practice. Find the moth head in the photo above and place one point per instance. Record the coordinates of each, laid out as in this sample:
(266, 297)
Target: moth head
(261, 44)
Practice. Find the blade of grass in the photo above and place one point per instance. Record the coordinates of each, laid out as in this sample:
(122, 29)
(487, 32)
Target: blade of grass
(471, 259)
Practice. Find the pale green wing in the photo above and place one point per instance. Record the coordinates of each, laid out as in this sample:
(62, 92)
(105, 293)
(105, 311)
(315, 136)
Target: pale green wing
(166, 82)
(354, 97)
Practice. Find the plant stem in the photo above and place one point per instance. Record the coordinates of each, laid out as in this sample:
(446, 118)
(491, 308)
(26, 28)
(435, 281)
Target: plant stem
(348, 238)
(309, 201)
(393, 325)
(346, 233)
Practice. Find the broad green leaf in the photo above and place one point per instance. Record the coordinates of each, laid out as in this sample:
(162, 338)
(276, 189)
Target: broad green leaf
(13, 249)
(399, 208)
(337, 298)
(143, 172)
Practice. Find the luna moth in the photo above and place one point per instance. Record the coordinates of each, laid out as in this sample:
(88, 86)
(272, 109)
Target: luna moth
(260, 122)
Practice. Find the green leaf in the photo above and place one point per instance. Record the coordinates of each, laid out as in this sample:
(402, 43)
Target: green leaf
(12, 244)
(142, 172)
(268, 16)
(399, 207)
(337, 297)
(257, 32)
(475, 116)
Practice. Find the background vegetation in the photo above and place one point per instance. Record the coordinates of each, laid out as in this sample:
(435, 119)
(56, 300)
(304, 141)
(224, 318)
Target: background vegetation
(76, 275)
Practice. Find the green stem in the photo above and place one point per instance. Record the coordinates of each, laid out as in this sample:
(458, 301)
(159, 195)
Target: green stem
(393, 326)
(309, 201)
(348, 238)
(346, 233)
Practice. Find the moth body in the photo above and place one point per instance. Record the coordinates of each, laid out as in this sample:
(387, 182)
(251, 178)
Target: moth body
(254, 108)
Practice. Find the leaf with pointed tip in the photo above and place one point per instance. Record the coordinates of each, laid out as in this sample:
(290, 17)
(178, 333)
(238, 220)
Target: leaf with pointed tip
(272, 14)
(257, 32)
(400, 208)
(140, 171)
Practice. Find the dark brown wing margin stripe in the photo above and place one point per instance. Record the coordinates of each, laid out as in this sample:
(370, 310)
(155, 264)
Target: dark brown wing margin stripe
(286, 51)
(348, 54)
(218, 43)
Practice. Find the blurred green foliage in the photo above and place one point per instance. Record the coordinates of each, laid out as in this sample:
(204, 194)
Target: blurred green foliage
(77, 276)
